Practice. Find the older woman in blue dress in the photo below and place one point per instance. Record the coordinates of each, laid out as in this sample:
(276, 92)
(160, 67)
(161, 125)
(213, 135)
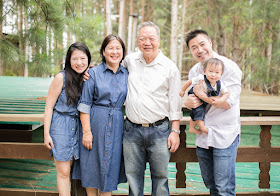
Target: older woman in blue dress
(102, 120)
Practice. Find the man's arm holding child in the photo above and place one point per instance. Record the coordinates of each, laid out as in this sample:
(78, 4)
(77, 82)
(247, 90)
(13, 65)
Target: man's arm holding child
(218, 101)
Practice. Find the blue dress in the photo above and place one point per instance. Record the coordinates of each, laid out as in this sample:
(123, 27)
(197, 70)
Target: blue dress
(103, 97)
(64, 128)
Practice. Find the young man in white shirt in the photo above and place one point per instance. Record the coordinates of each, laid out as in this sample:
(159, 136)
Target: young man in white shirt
(216, 151)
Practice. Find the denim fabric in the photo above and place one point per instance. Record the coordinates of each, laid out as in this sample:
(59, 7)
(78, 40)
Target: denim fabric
(103, 97)
(61, 103)
(146, 144)
(218, 168)
(64, 128)
(198, 113)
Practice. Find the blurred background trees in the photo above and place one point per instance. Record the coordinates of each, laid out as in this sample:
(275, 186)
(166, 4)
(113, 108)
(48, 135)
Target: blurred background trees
(35, 34)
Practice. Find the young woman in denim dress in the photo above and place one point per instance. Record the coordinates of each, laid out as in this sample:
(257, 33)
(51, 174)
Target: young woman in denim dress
(61, 119)
(102, 120)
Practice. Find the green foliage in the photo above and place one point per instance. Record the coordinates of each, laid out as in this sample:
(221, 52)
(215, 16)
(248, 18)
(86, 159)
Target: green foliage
(251, 27)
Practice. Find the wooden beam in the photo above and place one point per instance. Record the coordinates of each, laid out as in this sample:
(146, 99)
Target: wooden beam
(26, 192)
(29, 192)
(22, 117)
(9, 150)
(15, 135)
(244, 154)
(255, 120)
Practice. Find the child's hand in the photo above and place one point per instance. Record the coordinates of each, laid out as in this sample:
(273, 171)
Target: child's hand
(182, 93)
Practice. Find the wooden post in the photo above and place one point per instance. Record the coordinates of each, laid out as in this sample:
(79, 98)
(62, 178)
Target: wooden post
(181, 167)
(77, 189)
(265, 137)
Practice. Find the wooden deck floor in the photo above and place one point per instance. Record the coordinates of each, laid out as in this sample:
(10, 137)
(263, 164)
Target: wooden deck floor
(11, 175)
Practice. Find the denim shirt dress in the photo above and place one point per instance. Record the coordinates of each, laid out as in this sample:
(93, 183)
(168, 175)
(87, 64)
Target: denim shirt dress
(64, 128)
(103, 97)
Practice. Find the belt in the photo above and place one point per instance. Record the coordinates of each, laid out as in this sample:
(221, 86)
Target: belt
(157, 123)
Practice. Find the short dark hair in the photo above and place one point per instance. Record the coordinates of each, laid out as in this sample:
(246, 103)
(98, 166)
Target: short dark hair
(213, 61)
(193, 34)
(106, 42)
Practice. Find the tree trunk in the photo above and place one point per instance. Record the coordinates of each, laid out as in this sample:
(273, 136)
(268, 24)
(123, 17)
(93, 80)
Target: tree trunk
(221, 37)
(173, 40)
(133, 41)
(1, 38)
(130, 26)
(149, 11)
(269, 49)
(26, 44)
(182, 35)
(121, 19)
(108, 17)
(142, 10)
(20, 35)
(236, 51)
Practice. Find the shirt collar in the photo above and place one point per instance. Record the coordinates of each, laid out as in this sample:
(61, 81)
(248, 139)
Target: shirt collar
(104, 68)
(157, 60)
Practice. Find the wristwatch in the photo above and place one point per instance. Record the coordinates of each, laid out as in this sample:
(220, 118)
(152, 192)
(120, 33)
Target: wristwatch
(176, 131)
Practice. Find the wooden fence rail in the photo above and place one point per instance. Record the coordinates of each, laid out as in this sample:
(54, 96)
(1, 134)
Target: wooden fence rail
(264, 153)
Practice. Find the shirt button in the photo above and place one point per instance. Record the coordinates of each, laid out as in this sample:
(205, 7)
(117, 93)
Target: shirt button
(72, 138)
(72, 128)
(73, 119)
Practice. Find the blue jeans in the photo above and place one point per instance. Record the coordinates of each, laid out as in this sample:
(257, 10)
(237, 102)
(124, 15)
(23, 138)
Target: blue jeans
(146, 144)
(218, 168)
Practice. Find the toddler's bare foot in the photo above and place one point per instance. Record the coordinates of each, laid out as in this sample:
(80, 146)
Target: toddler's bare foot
(194, 130)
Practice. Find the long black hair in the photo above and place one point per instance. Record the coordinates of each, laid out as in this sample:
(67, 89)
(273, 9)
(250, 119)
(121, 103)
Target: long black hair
(74, 80)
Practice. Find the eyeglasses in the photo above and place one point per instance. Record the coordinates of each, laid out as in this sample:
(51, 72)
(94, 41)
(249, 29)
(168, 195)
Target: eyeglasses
(143, 39)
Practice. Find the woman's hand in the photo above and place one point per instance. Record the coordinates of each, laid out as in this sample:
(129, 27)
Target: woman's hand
(48, 143)
(87, 140)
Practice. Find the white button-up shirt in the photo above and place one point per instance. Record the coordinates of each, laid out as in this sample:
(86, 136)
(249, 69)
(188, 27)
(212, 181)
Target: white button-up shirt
(223, 125)
(153, 89)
